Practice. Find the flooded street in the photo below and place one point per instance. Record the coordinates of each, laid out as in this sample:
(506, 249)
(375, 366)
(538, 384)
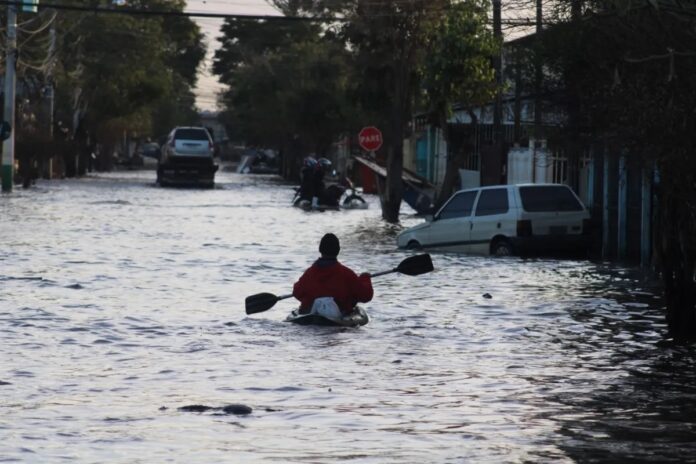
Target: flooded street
(121, 301)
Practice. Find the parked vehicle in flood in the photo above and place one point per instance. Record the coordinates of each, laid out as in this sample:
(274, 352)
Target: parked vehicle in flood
(503, 220)
(187, 158)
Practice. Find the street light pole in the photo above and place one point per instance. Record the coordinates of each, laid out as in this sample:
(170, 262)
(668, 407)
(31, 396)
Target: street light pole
(10, 83)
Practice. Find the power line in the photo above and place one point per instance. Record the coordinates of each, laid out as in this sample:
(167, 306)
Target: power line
(187, 14)
(160, 13)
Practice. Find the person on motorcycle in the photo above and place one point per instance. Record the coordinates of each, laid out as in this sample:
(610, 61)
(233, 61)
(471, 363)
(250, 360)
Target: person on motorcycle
(309, 165)
(323, 166)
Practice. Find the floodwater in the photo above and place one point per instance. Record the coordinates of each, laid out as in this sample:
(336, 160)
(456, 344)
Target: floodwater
(121, 302)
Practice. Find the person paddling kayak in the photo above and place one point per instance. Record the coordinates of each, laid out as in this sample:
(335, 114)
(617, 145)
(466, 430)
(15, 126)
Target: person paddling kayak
(328, 287)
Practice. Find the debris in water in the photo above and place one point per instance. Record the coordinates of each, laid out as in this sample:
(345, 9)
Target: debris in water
(487, 295)
(237, 409)
(195, 408)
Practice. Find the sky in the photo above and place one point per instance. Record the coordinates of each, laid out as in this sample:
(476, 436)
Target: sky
(208, 86)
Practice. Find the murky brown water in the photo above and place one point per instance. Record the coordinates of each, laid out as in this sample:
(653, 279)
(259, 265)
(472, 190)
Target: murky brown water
(119, 298)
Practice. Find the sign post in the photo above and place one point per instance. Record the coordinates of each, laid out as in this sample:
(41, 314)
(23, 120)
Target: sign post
(370, 139)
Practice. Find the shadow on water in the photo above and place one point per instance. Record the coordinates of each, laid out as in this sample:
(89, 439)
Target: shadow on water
(641, 417)
(632, 395)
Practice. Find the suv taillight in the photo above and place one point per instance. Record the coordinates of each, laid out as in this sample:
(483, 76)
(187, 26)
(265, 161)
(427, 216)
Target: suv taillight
(524, 228)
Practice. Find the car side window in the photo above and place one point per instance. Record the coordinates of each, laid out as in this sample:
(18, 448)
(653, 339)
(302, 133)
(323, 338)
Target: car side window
(492, 201)
(459, 206)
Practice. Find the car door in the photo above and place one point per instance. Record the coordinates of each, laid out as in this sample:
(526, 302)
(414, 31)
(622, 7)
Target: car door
(450, 227)
(491, 218)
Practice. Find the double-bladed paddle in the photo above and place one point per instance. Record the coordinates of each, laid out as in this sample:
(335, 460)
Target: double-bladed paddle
(413, 266)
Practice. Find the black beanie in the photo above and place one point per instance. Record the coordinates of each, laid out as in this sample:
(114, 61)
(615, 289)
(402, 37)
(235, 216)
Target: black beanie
(329, 246)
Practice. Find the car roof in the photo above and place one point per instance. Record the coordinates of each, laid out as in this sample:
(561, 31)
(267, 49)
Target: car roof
(191, 127)
(488, 187)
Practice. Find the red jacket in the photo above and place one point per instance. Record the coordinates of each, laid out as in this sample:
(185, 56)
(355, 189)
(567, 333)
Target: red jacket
(328, 277)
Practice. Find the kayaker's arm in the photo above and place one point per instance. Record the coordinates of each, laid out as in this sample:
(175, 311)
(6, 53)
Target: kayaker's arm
(363, 288)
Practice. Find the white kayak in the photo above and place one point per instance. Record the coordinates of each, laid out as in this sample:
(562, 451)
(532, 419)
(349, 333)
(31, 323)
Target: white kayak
(357, 318)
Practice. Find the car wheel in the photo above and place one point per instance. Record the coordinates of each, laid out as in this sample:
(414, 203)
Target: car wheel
(413, 245)
(501, 247)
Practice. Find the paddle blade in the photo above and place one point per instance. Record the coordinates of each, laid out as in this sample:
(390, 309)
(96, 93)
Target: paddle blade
(260, 302)
(416, 265)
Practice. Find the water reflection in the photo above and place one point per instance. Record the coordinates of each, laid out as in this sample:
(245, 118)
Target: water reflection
(120, 298)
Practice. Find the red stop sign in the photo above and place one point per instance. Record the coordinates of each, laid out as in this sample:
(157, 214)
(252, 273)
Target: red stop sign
(370, 138)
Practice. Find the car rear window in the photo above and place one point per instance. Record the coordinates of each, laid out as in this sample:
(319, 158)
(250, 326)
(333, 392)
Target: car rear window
(459, 206)
(493, 201)
(191, 134)
(545, 198)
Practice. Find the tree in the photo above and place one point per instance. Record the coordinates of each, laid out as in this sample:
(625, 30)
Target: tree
(118, 73)
(387, 38)
(287, 86)
(634, 66)
(457, 70)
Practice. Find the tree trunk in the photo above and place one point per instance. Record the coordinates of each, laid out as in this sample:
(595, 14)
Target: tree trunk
(677, 261)
(394, 186)
(393, 190)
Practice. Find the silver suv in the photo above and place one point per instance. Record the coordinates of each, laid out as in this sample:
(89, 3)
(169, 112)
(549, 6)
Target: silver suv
(505, 219)
(187, 158)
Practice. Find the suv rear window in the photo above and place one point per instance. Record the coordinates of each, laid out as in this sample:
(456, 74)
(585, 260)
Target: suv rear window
(545, 198)
(191, 134)
(493, 201)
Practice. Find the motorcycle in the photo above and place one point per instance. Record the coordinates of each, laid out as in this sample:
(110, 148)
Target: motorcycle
(330, 198)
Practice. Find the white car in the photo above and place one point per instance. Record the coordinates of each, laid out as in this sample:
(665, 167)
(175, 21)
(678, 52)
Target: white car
(187, 157)
(504, 220)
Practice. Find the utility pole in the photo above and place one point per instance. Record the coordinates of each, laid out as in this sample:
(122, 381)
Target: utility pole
(49, 95)
(498, 67)
(538, 78)
(538, 72)
(9, 113)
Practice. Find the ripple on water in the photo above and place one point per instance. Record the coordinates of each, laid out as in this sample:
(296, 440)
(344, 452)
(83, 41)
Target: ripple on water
(561, 364)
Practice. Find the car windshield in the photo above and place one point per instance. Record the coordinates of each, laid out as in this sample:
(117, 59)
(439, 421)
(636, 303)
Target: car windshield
(191, 134)
(547, 198)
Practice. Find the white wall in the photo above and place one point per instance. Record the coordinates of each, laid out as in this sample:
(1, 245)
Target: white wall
(469, 179)
(530, 165)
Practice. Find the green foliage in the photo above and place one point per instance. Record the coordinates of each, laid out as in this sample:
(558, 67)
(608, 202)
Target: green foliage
(457, 66)
(294, 93)
(244, 41)
(286, 82)
(127, 68)
(388, 40)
